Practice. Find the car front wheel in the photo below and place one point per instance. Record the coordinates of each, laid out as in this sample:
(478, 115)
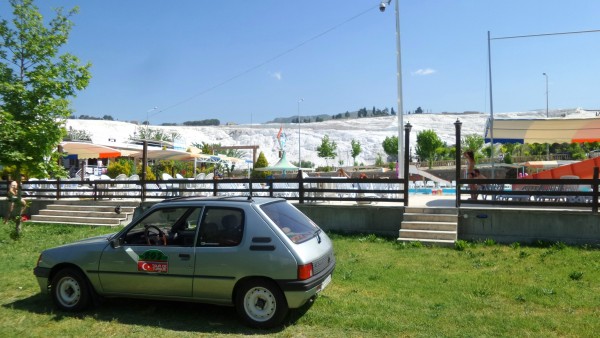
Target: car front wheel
(70, 290)
(261, 304)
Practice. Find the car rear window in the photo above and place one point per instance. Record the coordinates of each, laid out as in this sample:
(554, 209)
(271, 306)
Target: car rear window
(297, 226)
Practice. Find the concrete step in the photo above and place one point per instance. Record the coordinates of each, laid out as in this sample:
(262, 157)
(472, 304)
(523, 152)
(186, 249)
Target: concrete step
(437, 242)
(430, 217)
(90, 208)
(85, 213)
(75, 220)
(428, 234)
(90, 202)
(427, 225)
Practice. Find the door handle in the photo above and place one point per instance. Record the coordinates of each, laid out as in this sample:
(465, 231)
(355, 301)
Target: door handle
(184, 257)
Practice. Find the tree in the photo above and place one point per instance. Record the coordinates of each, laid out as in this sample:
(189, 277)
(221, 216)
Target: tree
(153, 134)
(261, 162)
(427, 144)
(327, 149)
(36, 82)
(472, 142)
(392, 112)
(356, 150)
(419, 110)
(577, 153)
(390, 146)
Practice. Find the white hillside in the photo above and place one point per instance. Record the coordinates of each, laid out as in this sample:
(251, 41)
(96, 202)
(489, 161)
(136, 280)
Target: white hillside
(369, 131)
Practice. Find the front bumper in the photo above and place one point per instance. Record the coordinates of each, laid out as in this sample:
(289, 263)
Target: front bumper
(42, 275)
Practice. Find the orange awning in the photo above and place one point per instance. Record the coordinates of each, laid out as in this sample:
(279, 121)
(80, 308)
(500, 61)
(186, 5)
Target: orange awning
(89, 150)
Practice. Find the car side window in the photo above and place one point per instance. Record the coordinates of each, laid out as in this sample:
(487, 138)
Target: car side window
(221, 227)
(166, 226)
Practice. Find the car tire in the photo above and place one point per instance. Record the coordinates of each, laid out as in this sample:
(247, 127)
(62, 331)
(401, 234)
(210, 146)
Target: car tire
(70, 291)
(261, 304)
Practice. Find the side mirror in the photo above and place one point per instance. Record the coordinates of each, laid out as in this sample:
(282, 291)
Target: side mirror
(116, 242)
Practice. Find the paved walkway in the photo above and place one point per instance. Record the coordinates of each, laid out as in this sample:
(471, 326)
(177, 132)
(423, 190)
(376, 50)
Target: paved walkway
(432, 201)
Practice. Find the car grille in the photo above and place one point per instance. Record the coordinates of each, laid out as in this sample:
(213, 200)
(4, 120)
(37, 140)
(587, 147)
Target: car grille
(323, 262)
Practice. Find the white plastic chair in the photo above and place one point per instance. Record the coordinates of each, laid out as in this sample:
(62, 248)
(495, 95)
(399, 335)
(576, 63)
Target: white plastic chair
(121, 184)
(133, 185)
(169, 187)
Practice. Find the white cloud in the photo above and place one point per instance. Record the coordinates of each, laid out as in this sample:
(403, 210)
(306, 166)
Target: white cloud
(426, 71)
(276, 75)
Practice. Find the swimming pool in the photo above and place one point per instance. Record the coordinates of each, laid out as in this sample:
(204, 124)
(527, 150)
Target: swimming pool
(428, 191)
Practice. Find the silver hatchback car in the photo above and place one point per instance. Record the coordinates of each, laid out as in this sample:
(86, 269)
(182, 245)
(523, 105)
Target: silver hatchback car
(261, 255)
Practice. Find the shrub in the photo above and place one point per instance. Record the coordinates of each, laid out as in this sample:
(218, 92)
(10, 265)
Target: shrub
(489, 242)
(461, 245)
(120, 166)
(576, 275)
(149, 174)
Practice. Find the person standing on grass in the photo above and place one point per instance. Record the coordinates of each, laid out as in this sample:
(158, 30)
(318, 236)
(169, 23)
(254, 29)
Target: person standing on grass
(13, 197)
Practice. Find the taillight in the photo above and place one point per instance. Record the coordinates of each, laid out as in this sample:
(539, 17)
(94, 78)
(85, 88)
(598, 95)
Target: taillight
(305, 271)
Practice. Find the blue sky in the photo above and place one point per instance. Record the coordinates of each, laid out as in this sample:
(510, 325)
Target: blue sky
(242, 61)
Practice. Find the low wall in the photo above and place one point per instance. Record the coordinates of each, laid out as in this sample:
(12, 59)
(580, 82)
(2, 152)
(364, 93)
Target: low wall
(503, 225)
(367, 219)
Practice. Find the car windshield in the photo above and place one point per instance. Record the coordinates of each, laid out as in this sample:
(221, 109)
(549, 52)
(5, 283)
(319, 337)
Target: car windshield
(297, 226)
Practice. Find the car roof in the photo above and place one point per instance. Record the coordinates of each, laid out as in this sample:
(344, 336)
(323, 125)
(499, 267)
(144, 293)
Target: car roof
(232, 199)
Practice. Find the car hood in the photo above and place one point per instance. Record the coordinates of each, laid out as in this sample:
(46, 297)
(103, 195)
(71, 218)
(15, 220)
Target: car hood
(84, 253)
(91, 240)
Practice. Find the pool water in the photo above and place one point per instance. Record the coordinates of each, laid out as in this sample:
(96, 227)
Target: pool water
(428, 191)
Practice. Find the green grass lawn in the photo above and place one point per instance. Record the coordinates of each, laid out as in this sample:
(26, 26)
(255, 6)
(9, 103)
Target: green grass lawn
(380, 288)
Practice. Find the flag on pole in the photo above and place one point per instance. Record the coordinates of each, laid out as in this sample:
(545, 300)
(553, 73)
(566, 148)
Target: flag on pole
(281, 138)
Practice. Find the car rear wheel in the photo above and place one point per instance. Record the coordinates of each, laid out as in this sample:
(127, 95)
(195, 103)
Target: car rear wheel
(261, 304)
(70, 290)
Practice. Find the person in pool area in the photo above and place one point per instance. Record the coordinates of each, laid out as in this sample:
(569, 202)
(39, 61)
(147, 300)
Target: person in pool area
(342, 173)
(475, 174)
(470, 170)
(470, 161)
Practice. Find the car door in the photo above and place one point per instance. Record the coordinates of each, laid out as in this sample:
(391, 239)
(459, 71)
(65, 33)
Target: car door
(150, 262)
(220, 257)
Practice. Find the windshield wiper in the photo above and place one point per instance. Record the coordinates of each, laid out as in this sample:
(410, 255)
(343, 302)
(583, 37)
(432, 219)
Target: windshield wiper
(317, 233)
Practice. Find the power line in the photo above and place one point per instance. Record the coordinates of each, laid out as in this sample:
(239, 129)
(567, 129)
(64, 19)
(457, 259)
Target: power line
(288, 51)
(545, 34)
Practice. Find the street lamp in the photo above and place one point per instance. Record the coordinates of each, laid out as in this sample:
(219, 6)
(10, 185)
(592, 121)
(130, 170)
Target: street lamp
(299, 144)
(148, 118)
(547, 144)
(382, 6)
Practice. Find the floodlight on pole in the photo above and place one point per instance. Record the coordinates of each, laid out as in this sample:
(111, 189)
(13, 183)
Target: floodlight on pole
(148, 116)
(382, 6)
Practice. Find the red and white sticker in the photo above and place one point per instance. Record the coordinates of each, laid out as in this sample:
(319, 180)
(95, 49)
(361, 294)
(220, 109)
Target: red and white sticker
(149, 266)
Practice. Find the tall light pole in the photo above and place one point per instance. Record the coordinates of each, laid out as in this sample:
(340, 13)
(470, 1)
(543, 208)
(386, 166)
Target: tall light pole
(547, 144)
(299, 144)
(148, 119)
(546, 75)
(382, 6)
